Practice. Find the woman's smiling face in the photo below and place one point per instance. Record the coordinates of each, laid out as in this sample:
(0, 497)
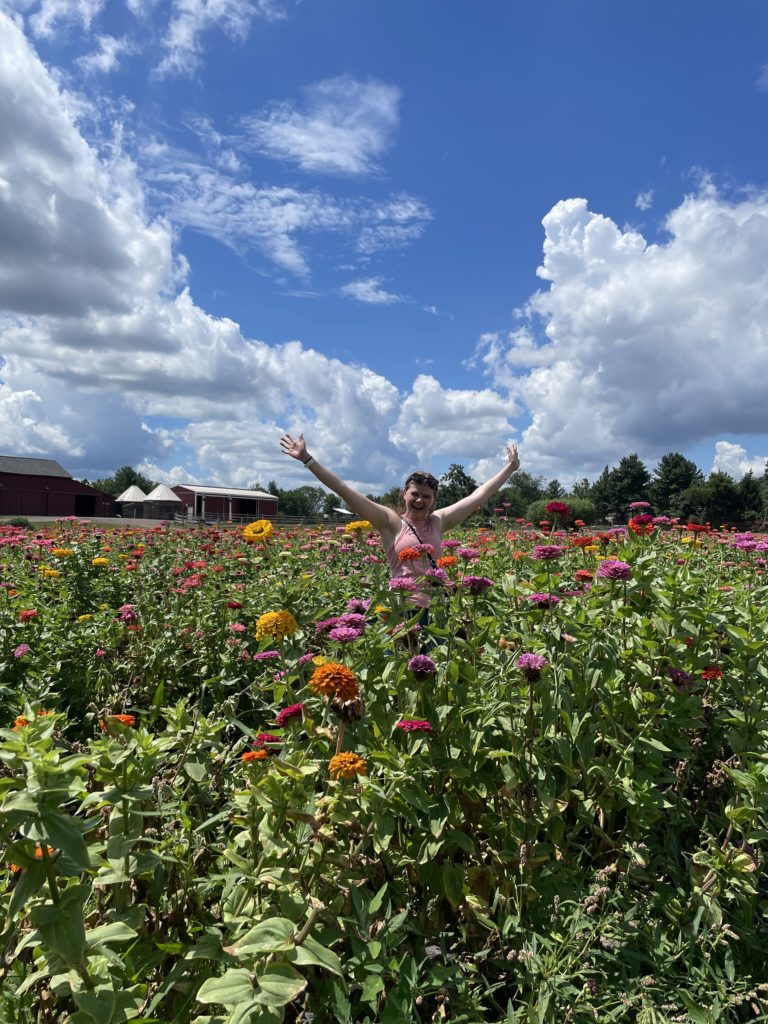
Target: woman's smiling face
(418, 499)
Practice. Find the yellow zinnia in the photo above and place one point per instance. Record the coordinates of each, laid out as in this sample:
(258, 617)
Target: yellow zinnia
(276, 625)
(260, 530)
(62, 552)
(99, 561)
(358, 526)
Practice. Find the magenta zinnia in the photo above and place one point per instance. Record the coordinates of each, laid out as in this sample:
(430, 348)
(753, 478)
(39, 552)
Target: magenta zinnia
(613, 569)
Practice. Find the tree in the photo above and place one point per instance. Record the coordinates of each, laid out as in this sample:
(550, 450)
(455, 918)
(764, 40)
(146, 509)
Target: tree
(714, 501)
(750, 500)
(124, 478)
(454, 485)
(554, 489)
(582, 489)
(673, 475)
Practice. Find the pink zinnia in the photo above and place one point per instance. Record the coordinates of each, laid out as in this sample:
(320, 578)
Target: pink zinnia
(413, 725)
(546, 552)
(289, 713)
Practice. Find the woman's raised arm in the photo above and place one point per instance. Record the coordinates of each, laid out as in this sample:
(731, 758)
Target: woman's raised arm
(456, 513)
(386, 520)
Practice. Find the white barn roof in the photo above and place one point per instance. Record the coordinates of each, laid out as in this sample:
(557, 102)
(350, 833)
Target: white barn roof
(227, 492)
(132, 493)
(163, 493)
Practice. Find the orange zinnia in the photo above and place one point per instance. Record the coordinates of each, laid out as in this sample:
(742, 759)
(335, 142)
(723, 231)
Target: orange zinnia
(334, 679)
(127, 720)
(253, 755)
(409, 554)
(347, 766)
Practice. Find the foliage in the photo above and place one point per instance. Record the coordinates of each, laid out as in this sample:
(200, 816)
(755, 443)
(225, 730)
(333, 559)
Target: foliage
(579, 835)
(580, 508)
(455, 484)
(124, 478)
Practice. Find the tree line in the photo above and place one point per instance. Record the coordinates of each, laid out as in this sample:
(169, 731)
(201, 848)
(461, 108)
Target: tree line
(676, 488)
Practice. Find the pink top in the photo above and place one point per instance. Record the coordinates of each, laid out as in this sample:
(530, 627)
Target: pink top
(430, 532)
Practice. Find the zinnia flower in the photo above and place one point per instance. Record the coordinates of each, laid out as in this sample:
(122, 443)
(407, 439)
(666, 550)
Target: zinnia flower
(344, 634)
(546, 552)
(129, 721)
(358, 526)
(260, 530)
(680, 678)
(639, 504)
(531, 665)
(38, 856)
(409, 554)
(100, 561)
(422, 666)
(543, 600)
(413, 725)
(21, 650)
(27, 614)
(613, 569)
(269, 741)
(347, 766)
(276, 625)
(475, 584)
(333, 679)
(713, 672)
(254, 755)
(266, 655)
(403, 583)
(557, 508)
(288, 714)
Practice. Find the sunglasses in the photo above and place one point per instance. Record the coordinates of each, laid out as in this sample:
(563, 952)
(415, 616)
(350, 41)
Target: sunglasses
(422, 478)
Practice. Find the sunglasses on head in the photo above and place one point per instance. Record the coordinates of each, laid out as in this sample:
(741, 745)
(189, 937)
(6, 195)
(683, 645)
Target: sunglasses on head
(422, 478)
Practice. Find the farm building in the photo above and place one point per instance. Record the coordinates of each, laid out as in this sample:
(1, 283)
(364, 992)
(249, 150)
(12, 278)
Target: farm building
(41, 487)
(131, 502)
(225, 503)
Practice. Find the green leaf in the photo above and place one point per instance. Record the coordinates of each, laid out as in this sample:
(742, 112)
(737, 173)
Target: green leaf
(271, 936)
(104, 1005)
(378, 899)
(195, 771)
(279, 985)
(453, 883)
(117, 931)
(312, 952)
(64, 833)
(61, 925)
(233, 987)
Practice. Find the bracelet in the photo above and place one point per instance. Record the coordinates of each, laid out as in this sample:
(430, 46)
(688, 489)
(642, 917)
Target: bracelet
(308, 462)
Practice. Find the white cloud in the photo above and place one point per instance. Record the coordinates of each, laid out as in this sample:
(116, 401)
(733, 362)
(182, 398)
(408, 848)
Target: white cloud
(52, 14)
(649, 348)
(270, 219)
(369, 290)
(644, 200)
(107, 57)
(762, 79)
(192, 18)
(344, 127)
(460, 424)
(733, 459)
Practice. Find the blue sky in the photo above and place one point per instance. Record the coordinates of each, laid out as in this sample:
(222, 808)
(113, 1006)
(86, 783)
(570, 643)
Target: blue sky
(415, 230)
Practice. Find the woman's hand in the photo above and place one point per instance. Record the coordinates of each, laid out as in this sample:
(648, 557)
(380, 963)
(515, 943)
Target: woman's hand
(512, 455)
(295, 447)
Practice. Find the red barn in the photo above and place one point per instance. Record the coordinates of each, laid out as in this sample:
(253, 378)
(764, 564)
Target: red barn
(41, 487)
(225, 503)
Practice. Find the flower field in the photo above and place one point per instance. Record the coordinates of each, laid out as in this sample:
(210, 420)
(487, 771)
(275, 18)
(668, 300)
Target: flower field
(241, 784)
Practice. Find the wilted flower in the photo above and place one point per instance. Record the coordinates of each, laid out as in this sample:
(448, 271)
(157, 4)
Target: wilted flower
(27, 614)
(348, 710)
(127, 614)
(347, 766)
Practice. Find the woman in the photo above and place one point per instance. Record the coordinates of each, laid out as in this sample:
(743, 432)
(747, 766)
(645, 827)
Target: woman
(418, 523)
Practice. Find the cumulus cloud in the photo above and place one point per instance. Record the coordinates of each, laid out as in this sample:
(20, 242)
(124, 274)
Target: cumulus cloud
(734, 460)
(434, 420)
(343, 126)
(103, 346)
(637, 346)
(369, 290)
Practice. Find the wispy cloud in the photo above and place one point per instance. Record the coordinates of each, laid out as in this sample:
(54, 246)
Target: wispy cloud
(369, 290)
(342, 127)
(52, 15)
(192, 18)
(644, 200)
(394, 224)
(107, 57)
